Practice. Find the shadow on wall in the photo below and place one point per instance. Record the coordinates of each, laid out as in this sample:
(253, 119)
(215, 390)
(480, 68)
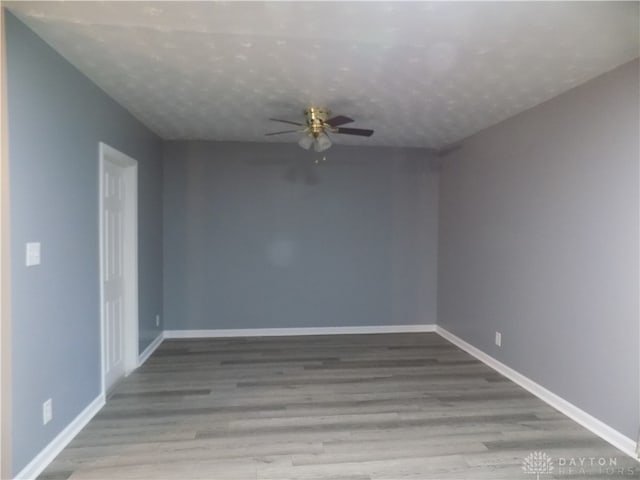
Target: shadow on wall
(251, 242)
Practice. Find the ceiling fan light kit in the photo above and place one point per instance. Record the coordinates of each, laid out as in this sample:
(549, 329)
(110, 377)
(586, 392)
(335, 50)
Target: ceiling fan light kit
(321, 142)
(317, 126)
(306, 142)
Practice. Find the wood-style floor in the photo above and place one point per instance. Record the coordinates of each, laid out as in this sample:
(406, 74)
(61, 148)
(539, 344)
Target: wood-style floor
(347, 407)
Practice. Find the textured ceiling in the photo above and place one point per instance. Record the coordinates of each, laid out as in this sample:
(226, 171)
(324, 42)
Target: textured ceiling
(420, 74)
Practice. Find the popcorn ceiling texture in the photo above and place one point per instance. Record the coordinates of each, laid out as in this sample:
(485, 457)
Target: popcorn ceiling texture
(420, 74)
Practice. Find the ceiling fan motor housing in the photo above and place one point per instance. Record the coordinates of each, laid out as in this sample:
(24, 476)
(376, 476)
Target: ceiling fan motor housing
(316, 120)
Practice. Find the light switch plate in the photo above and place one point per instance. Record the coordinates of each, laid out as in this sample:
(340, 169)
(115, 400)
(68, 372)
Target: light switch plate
(33, 254)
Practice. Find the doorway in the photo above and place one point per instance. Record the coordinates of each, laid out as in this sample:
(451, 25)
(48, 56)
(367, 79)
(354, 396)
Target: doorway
(118, 264)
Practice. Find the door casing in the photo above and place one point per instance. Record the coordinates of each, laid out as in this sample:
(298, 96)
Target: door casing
(130, 331)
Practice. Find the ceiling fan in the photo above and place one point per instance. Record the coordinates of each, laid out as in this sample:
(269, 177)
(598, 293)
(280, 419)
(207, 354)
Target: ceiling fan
(318, 124)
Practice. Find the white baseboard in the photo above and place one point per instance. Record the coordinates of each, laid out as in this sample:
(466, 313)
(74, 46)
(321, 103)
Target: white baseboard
(283, 332)
(150, 349)
(578, 415)
(48, 453)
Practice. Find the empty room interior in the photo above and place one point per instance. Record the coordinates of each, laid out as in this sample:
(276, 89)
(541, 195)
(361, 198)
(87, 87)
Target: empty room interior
(320, 240)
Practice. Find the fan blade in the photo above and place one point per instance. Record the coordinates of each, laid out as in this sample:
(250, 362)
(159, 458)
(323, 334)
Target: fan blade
(281, 132)
(355, 131)
(339, 120)
(287, 121)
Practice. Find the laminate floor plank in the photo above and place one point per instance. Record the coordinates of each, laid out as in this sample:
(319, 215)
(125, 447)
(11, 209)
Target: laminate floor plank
(347, 407)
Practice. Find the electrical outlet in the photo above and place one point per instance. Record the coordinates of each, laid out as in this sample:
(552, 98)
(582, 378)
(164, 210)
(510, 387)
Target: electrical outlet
(157, 320)
(47, 411)
(498, 339)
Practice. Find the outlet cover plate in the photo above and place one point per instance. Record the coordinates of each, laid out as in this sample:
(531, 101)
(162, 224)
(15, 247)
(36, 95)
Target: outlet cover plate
(47, 411)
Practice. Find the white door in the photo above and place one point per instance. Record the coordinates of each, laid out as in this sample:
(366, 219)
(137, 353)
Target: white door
(119, 260)
(113, 203)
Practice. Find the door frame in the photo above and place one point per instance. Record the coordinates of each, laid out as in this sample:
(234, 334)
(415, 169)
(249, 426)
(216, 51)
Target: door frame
(130, 340)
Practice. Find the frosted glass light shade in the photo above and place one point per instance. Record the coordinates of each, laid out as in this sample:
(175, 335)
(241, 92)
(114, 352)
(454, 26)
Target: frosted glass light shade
(322, 143)
(305, 142)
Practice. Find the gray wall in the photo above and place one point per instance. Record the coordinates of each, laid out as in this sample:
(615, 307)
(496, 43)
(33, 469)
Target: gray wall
(56, 119)
(246, 248)
(539, 240)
